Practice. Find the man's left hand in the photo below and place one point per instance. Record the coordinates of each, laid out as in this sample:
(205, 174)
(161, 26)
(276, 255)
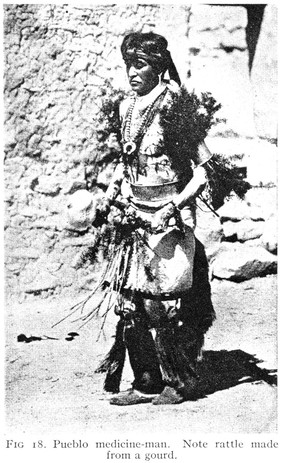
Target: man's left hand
(162, 217)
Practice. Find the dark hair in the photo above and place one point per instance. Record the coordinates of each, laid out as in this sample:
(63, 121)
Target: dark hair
(155, 47)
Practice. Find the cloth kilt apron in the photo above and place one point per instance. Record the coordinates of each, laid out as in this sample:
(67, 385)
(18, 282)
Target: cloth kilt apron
(161, 265)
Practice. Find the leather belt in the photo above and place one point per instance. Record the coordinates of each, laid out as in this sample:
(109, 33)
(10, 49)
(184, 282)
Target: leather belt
(163, 191)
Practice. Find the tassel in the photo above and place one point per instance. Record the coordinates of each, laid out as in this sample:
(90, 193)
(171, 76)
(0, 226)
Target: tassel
(114, 361)
(224, 177)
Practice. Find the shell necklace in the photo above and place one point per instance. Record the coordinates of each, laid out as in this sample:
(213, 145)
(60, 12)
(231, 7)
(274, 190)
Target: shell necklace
(130, 140)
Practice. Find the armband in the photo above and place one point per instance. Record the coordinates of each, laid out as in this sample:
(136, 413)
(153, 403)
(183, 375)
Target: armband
(175, 207)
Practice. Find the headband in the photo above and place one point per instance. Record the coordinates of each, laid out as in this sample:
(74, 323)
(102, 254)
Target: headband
(160, 61)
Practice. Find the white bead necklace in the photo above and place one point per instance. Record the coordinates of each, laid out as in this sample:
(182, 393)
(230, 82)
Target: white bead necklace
(130, 140)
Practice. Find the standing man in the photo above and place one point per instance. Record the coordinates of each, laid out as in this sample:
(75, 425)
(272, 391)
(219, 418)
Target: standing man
(165, 306)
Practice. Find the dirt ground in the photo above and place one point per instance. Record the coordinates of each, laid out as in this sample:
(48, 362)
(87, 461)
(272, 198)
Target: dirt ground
(51, 384)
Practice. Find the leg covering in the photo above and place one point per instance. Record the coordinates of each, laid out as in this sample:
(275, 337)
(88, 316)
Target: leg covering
(177, 348)
(143, 357)
(133, 334)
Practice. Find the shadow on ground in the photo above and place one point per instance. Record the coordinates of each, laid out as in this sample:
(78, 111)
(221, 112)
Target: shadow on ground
(223, 369)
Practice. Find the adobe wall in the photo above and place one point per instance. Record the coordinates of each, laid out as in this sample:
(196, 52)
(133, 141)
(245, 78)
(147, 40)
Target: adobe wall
(57, 59)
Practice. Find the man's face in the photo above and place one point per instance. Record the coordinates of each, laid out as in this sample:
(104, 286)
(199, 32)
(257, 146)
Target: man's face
(141, 75)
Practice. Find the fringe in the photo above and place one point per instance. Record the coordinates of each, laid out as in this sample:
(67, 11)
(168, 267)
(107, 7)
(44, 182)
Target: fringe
(178, 349)
(113, 363)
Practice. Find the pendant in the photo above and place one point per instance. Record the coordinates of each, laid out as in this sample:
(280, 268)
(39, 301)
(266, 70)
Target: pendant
(129, 147)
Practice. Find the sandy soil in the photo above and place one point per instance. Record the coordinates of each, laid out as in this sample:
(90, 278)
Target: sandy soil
(51, 384)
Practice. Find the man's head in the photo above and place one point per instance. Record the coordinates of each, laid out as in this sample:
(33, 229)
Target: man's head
(146, 58)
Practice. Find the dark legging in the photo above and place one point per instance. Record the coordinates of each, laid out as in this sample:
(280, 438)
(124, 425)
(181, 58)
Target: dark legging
(170, 357)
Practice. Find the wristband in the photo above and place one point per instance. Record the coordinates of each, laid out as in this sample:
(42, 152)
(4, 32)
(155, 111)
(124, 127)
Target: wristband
(176, 207)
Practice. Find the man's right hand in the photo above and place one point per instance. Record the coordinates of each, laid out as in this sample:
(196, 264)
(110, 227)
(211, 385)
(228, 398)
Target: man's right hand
(104, 206)
(102, 212)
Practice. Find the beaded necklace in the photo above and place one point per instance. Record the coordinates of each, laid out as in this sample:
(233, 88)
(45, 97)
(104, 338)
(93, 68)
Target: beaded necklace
(130, 140)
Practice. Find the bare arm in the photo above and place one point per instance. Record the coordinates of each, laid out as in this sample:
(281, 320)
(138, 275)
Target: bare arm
(198, 181)
(118, 176)
(193, 188)
(116, 181)
(190, 192)
(112, 192)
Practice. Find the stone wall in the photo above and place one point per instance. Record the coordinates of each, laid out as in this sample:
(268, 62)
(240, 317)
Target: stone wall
(57, 61)
(58, 58)
(219, 62)
(264, 76)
